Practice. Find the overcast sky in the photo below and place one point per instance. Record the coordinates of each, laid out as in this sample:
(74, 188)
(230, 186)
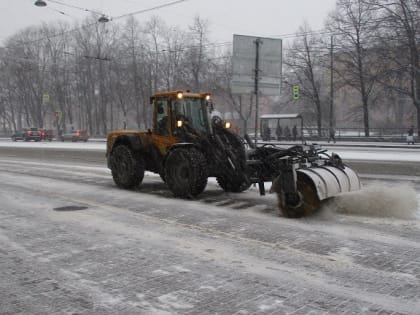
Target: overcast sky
(267, 18)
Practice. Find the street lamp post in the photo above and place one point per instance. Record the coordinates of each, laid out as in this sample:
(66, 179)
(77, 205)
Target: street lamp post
(102, 19)
(332, 118)
(40, 3)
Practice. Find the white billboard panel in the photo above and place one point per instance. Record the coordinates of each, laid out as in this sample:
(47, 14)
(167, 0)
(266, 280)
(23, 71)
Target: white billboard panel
(270, 65)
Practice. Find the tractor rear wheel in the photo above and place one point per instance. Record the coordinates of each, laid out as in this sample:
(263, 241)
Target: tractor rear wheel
(306, 203)
(126, 168)
(186, 172)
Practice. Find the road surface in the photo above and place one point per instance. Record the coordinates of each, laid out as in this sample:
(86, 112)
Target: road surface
(72, 243)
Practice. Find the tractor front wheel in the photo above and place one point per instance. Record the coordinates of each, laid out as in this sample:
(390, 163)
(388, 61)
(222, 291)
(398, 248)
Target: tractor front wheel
(236, 184)
(186, 172)
(126, 168)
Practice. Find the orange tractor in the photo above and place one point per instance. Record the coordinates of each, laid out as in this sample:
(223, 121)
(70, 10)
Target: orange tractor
(186, 145)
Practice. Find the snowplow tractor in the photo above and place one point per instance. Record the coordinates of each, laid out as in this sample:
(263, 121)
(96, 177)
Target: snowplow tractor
(186, 144)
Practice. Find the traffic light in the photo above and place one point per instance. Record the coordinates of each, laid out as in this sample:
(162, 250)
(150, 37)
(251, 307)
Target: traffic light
(295, 92)
(45, 98)
(57, 117)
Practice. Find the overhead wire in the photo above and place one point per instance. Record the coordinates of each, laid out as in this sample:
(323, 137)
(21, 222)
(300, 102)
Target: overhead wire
(75, 7)
(96, 22)
(149, 9)
(58, 11)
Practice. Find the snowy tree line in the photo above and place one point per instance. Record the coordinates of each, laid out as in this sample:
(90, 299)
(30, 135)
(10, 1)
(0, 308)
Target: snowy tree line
(371, 47)
(99, 76)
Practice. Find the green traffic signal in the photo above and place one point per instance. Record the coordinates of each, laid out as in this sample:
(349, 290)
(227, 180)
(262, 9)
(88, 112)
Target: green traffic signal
(295, 92)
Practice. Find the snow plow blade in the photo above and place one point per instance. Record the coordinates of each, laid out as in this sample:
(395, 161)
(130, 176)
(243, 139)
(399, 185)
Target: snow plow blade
(302, 176)
(330, 181)
(313, 185)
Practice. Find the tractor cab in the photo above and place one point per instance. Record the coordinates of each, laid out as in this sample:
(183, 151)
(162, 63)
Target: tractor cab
(174, 111)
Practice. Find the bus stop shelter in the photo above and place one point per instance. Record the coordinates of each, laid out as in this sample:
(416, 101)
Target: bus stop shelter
(273, 121)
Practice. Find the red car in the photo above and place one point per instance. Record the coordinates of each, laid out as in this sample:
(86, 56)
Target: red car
(27, 134)
(76, 135)
(47, 134)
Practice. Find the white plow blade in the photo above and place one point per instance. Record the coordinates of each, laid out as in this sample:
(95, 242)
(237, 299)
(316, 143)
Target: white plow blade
(331, 181)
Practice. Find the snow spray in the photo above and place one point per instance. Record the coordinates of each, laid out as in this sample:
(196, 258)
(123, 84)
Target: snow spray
(378, 200)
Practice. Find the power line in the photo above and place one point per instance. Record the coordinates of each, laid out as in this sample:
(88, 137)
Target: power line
(149, 9)
(58, 11)
(96, 22)
(221, 44)
(75, 7)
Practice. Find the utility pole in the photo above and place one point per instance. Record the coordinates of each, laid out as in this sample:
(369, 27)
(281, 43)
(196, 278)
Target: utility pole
(331, 122)
(257, 42)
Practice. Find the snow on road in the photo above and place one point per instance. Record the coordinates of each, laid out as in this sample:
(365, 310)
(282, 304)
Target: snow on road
(377, 199)
(346, 152)
(146, 252)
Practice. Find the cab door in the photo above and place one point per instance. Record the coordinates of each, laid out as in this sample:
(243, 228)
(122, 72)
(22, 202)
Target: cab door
(162, 124)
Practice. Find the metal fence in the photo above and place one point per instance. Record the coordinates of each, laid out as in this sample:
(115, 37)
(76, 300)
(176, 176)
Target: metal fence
(351, 134)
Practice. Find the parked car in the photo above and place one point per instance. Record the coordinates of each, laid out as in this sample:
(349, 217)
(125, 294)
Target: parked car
(75, 135)
(47, 134)
(27, 134)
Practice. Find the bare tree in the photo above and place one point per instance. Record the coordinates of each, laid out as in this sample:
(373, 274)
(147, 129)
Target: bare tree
(173, 70)
(97, 75)
(399, 39)
(133, 45)
(240, 104)
(196, 53)
(305, 58)
(354, 23)
(28, 71)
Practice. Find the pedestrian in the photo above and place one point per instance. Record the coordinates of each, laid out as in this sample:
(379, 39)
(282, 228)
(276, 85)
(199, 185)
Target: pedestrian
(287, 133)
(279, 131)
(331, 135)
(410, 135)
(264, 131)
(294, 132)
(267, 132)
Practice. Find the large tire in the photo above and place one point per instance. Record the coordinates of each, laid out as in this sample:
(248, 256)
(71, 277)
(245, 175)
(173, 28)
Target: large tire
(126, 168)
(235, 184)
(309, 200)
(186, 172)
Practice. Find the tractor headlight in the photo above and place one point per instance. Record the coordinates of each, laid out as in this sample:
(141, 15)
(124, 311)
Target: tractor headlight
(179, 123)
(228, 125)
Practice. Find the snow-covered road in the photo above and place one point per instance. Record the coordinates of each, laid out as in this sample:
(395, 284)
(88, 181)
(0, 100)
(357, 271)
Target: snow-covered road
(145, 252)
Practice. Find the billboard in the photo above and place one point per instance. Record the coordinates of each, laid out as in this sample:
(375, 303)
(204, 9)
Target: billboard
(244, 63)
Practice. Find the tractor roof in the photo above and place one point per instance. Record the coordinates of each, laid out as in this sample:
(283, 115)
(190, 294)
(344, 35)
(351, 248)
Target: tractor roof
(185, 94)
(280, 116)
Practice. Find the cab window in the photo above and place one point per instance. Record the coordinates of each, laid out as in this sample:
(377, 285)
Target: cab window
(161, 117)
